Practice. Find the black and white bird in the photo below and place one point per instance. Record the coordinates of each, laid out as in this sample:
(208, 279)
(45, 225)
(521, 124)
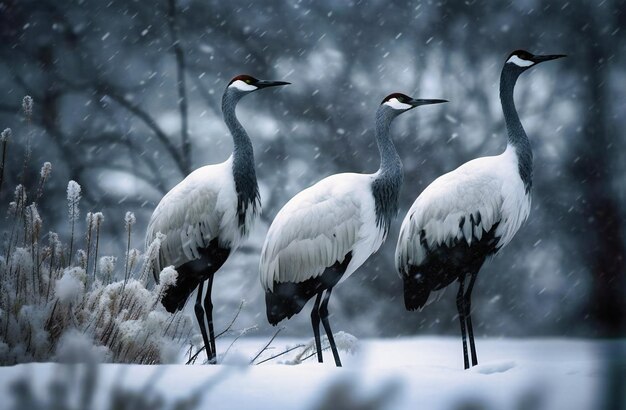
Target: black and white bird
(324, 233)
(206, 216)
(469, 214)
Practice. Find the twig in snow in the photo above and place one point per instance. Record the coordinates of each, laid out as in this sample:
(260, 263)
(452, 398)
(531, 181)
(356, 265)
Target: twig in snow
(291, 349)
(230, 325)
(267, 345)
(193, 358)
(242, 333)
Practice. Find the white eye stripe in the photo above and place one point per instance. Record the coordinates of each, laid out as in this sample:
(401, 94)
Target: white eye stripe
(242, 86)
(520, 62)
(397, 105)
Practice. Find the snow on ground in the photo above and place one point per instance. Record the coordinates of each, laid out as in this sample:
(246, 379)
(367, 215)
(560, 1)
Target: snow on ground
(419, 373)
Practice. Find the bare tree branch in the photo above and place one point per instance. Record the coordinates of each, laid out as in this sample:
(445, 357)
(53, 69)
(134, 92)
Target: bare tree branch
(182, 89)
(148, 121)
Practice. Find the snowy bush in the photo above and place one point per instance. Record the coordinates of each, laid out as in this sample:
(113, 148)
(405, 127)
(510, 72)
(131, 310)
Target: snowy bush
(59, 305)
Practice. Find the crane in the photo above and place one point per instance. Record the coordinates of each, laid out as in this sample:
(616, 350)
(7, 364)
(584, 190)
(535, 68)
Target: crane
(207, 215)
(324, 233)
(469, 214)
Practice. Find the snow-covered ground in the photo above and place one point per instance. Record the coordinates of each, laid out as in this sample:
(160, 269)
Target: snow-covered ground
(417, 373)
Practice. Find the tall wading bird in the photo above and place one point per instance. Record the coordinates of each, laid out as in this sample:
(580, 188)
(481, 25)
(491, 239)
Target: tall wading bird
(324, 233)
(469, 214)
(207, 215)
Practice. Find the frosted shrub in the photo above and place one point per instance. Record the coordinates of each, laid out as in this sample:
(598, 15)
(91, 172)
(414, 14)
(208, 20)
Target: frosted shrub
(52, 314)
(57, 305)
(71, 287)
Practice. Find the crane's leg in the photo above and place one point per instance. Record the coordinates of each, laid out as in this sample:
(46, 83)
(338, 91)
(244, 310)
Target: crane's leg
(460, 305)
(200, 317)
(315, 321)
(208, 310)
(468, 314)
(329, 332)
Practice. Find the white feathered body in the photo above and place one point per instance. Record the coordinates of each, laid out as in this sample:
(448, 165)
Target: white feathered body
(200, 209)
(318, 227)
(489, 186)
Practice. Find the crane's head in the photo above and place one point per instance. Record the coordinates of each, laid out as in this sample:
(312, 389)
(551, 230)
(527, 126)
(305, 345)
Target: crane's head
(520, 60)
(244, 84)
(398, 103)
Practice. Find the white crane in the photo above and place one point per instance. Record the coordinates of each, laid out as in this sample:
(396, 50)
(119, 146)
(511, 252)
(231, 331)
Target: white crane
(469, 214)
(324, 233)
(206, 216)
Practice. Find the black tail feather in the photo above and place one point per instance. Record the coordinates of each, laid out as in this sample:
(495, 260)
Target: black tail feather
(286, 300)
(190, 274)
(175, 297)
(416, 291)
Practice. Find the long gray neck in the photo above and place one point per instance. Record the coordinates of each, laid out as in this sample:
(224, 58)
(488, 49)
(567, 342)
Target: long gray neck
(241, 141)
(244, 173)
(517, 138)
(388, 181)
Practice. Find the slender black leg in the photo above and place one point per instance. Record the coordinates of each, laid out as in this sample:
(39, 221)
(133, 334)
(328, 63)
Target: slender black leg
(468, 314)
(315, 321)
(324, 315)
(200, 317)
(208, 310)
(460, 305)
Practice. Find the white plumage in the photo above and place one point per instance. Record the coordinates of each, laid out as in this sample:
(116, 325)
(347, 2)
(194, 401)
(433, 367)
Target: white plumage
(206, 216)
(319, 227)
(469, 214)
(490, 186)
(326, 232)
(202, 207)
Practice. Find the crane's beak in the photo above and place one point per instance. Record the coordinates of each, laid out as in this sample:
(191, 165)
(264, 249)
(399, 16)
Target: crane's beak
(541, 59)
(266, 84)
(418, 102)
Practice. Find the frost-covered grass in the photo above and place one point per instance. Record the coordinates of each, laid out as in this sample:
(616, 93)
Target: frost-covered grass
(46, 297)
(60, 300)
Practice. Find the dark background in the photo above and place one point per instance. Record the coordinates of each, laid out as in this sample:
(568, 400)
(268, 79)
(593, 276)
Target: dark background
(127, 101)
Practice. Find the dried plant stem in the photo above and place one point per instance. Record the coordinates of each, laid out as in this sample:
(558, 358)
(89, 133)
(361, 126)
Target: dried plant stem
(126, 271)
(27, 154)
(18, 216)
(34, 272)
(88, 238)
(126, 267)
(72, 224)
(95, 257)
(50, 274)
